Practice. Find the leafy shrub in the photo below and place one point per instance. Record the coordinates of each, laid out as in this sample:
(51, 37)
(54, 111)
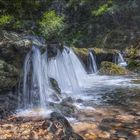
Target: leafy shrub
(51, 25)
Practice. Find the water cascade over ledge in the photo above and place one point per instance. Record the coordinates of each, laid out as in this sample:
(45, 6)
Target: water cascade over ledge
(92, 62)
(121, 61)
(37, 90)
(67, 69)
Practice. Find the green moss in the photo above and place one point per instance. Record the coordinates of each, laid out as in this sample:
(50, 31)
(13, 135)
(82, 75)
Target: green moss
(98, 50)
(102, 9)
(109, 68)
(104, 50)
(82, 52)
(18, 25)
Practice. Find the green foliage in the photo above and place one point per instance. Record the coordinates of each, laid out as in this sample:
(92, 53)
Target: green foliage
(133, 64)
(89, 22)
(18, 25)
(102, 9)
(51, 25)
(5, 19)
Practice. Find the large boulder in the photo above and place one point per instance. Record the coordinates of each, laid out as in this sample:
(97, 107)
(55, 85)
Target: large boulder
(109, 68)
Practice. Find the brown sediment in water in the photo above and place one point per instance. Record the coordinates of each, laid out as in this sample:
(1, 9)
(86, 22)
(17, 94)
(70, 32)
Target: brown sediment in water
(110, 123)
(101, 123)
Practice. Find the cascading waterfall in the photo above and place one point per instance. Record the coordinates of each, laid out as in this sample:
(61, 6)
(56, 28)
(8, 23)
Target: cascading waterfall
(92, 62)
(121, 61)
(67, 69)
(36, 86)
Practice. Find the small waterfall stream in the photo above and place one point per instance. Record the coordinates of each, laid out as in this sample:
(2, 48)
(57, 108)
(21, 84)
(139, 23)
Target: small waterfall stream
(92, 63)
(37, 90)
(121, 61)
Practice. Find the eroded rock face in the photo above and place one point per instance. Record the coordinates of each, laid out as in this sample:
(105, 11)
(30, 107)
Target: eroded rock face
(8, 75)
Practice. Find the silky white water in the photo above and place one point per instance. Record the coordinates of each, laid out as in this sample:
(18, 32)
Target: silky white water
(92, 62)
(121, 61)
(68, 71)
(37, 90)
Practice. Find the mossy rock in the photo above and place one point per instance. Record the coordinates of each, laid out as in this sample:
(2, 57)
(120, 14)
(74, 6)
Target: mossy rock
(101, 54)
(109, 68)
(133, 64)
(82, 52)
(66, 108)
(8, 75)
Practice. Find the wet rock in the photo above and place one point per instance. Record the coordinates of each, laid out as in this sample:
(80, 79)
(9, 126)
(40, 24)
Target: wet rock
(53, 49)
(55, 86)
(79, 100)
(67, 100)
(122, 133)
(61, 126)
(66, 108)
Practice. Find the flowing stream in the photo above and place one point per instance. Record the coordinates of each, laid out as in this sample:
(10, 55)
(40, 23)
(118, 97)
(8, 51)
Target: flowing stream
(86, 90)
(92, 62)
(121, 61)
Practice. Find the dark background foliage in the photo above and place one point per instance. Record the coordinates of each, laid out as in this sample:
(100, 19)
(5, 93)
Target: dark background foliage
(84, 23)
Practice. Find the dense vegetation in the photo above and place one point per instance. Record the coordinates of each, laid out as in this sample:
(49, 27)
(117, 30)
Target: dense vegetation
(104, 23)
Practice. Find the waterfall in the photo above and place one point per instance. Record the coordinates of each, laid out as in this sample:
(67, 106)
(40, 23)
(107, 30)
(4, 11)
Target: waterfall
(121, 61)
(67, 69)
(92, 62)
(36, 86)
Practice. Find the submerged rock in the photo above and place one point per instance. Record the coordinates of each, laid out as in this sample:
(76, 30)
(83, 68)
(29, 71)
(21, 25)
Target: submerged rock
(108, 68)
